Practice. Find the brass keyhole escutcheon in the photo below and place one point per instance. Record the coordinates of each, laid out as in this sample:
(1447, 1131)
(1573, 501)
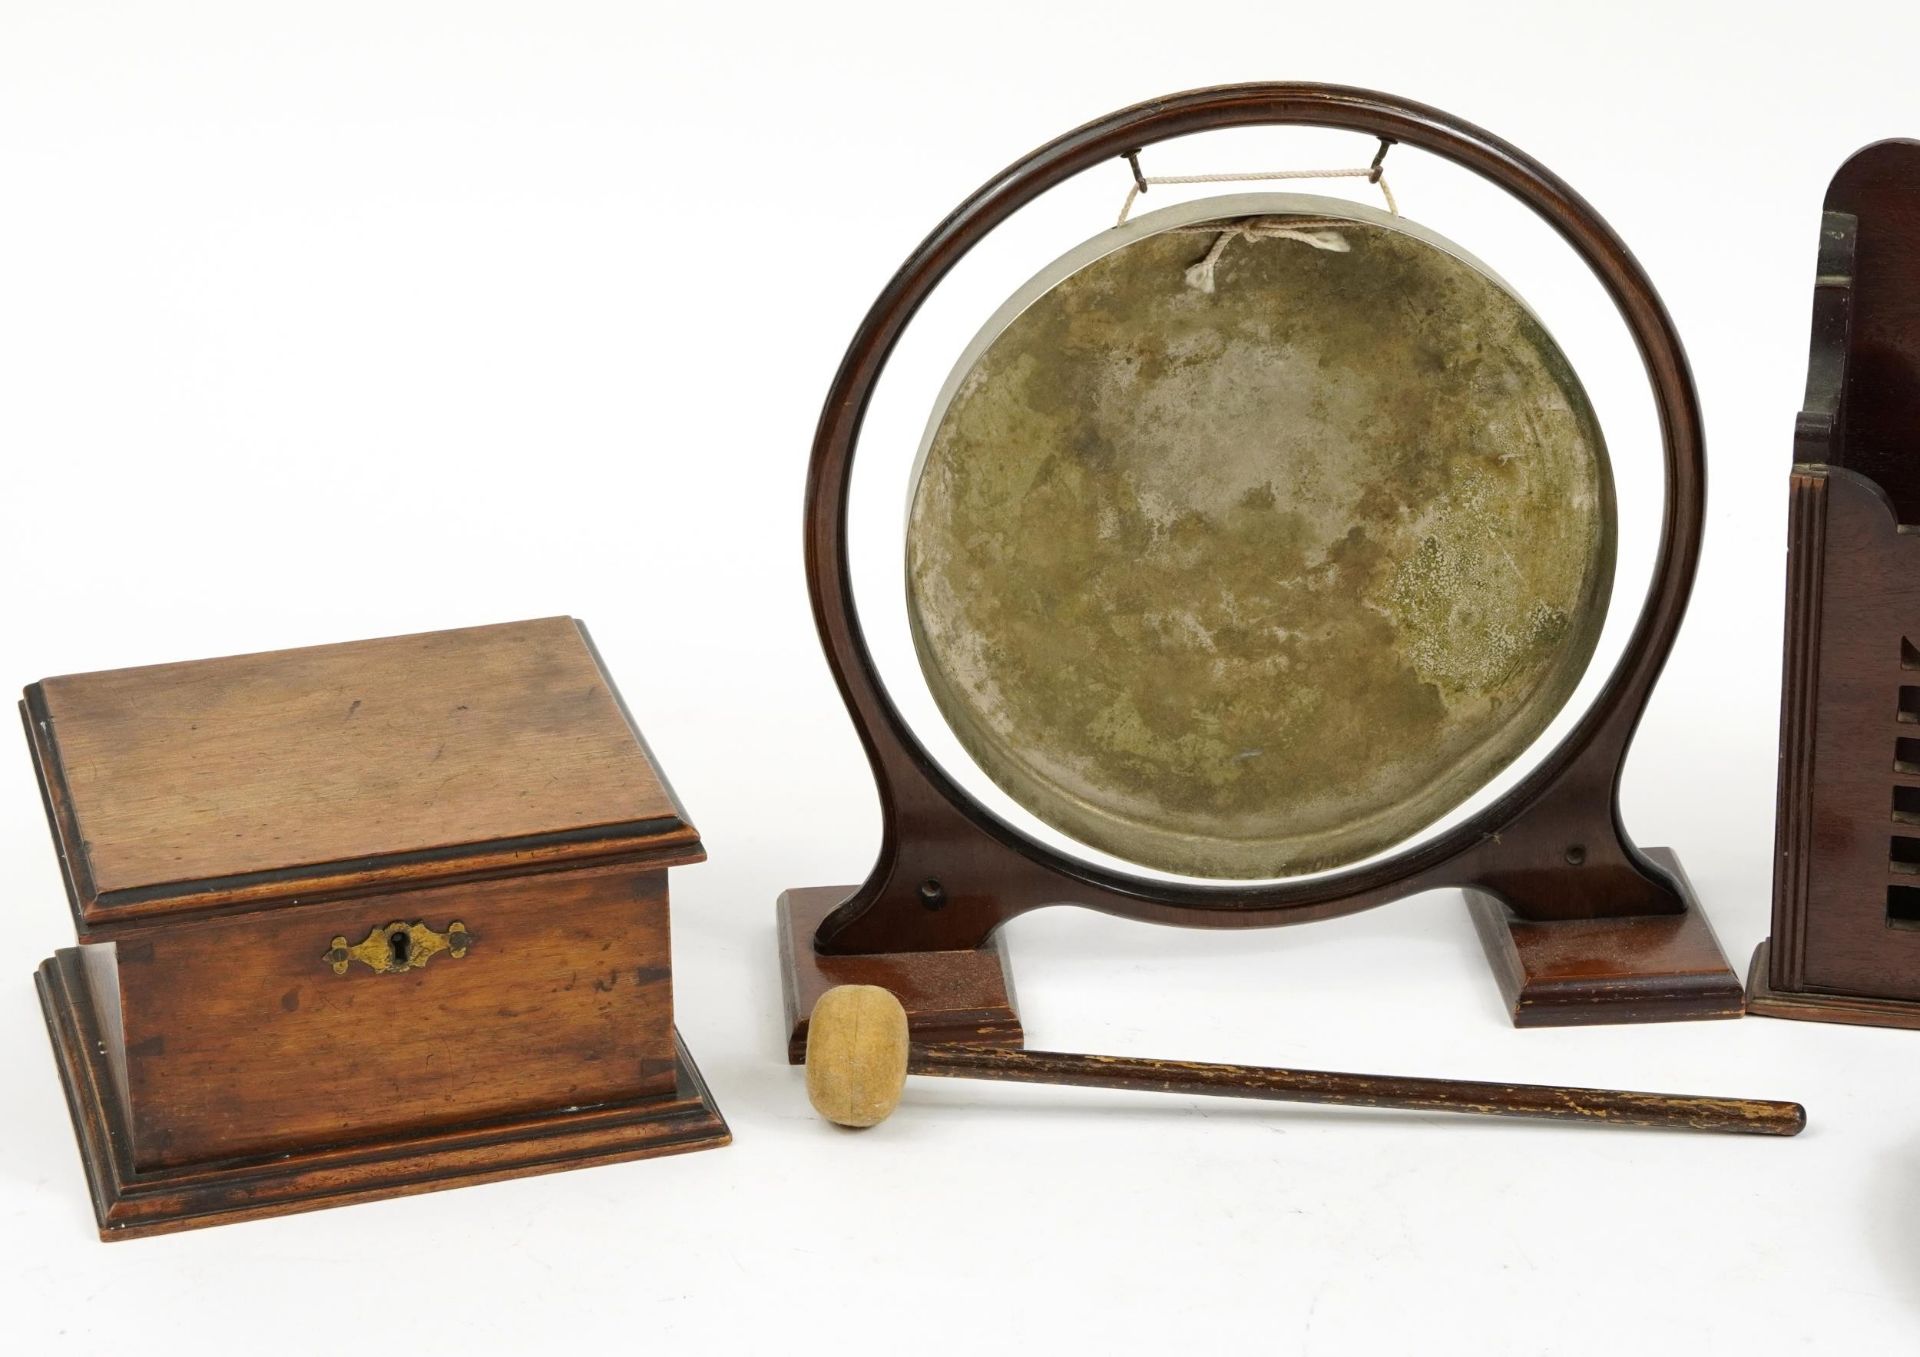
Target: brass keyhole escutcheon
(399, 946)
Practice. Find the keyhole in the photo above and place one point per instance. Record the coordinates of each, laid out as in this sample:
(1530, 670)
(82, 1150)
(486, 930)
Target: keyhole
(402, 947)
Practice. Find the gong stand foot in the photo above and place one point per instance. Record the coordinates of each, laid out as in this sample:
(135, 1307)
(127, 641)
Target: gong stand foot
(1583, 972)
(1860, 1010)
(950, 997)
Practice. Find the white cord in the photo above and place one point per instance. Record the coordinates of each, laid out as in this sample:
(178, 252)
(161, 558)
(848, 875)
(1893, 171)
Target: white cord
(1372, 172)
(1313, 232)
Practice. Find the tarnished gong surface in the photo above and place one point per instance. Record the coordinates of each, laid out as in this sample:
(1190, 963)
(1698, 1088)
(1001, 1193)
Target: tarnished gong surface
(1261, 580)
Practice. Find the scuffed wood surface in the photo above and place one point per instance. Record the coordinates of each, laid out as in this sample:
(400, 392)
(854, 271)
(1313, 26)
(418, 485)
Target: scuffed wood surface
(1613, 1107)
(219, 768)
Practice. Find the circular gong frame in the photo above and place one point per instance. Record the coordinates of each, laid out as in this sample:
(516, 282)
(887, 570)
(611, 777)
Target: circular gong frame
(950, 872)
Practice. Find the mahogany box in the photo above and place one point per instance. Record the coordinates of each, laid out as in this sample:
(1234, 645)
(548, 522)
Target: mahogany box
(360, 920)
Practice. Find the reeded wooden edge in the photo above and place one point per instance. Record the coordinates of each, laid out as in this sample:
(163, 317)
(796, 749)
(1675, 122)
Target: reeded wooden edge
(963, 996)
(1858, 1010)
(128, 1205)
(1588, 972)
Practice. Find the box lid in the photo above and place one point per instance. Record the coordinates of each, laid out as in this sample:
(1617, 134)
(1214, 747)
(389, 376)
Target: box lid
(277, 779)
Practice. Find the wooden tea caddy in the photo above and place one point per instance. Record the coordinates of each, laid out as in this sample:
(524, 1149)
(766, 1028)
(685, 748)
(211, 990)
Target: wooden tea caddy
(1845, 945)
(360, 920)
(1580, 925)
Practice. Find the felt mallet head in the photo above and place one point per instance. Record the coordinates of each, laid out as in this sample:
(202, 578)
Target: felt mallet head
(856, 1055)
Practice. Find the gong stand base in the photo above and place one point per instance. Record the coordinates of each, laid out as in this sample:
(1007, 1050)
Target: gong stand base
(1566, 973)
(961, 996)
(1585, 972)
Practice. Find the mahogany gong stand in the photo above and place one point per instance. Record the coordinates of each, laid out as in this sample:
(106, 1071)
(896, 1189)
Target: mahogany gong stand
(1581, 926)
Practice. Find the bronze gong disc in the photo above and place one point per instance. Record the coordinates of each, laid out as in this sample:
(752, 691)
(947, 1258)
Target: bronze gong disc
(1255, 535)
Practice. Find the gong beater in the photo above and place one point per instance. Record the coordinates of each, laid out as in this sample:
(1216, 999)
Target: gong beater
(1581, 925)
(859, 1057)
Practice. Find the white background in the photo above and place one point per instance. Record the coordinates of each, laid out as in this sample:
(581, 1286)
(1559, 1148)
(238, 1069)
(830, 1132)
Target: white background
(341, 320)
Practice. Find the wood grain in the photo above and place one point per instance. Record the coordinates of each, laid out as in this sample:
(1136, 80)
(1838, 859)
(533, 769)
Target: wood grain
(270, 776)
(242, 1041)
(1764, 1001)
(221, 823)
(1587, 972)
(130, 1204)
(1845, 945)
(1879, 188)
(1611, 1107)
(1869, 601)
(962, 996)
(858, 1060)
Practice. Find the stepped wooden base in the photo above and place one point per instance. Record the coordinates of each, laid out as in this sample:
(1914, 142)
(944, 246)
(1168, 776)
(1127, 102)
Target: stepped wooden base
(1860, 1010)
(1655, 968)
(949, 996)
(128, 1203)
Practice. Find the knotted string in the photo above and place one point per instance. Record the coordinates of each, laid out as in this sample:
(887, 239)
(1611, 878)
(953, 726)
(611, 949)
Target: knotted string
(1308, 231)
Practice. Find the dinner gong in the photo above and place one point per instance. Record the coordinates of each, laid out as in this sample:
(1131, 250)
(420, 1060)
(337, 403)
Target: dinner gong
(1247, 542)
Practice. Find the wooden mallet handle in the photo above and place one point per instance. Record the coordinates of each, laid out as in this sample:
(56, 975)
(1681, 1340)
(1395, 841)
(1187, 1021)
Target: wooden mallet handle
(858, 1058)
(1615, 1107)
